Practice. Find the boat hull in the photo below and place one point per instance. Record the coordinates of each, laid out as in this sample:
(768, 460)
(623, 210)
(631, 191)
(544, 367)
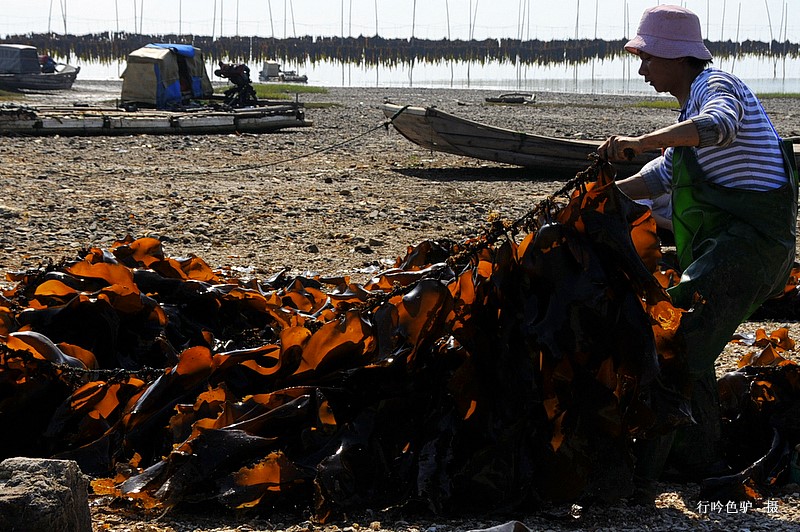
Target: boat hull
(437, 130)
(60, 80)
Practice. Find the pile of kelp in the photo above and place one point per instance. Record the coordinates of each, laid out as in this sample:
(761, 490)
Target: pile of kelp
(489, 374)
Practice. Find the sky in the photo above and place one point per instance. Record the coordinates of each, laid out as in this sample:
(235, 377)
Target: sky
(432, 19)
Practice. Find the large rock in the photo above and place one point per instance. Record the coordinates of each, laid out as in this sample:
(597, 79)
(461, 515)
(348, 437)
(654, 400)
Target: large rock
(43, 495)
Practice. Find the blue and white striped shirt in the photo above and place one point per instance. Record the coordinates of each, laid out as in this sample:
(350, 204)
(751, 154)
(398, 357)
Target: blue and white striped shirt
(738, 144)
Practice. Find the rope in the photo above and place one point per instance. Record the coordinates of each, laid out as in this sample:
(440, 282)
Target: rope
(384, 124)
(530, 220)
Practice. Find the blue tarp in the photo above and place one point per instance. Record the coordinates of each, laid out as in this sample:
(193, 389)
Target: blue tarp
(186, 50)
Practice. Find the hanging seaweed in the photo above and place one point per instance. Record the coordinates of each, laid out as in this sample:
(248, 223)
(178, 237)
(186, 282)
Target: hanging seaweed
(373, 51)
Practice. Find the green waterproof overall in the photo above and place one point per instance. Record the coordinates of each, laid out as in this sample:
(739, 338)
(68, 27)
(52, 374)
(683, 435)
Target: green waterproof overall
(736, 249)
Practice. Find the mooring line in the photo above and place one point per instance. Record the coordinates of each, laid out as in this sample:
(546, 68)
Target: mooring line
(384, 124)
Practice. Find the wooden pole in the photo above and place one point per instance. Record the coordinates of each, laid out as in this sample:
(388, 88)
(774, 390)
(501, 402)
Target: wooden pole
(291, 9)
(785, 36)
(738, 21)
(722, 26)
(784, 19)
(626, 72)
(525, 18)
(474, 20)
(447, 12)
(64, 14)
(271, 24)
(413, 18)
(529, 20)
(769, 21)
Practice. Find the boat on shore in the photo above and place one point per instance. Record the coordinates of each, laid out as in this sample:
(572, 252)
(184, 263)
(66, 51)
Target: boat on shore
(22, 68)
(438, 130)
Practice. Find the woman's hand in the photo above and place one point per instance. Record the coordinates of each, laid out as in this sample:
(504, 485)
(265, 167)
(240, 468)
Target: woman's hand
(617, 148)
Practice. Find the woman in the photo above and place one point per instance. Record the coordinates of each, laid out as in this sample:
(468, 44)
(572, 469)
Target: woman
(734, 211)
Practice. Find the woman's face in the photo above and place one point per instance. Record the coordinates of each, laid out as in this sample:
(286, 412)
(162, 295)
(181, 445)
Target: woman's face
(662, 74)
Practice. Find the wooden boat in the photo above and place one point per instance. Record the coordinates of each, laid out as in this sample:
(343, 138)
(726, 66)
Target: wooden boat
(61, 79)
(90, 121)
(437, 130)
(20, 70)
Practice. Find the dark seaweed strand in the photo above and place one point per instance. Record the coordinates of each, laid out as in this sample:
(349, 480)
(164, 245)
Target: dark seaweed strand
(74, 377)
(530, 221)
(497, 230)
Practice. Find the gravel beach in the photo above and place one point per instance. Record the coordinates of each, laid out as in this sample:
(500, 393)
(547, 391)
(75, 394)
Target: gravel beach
(344, 197)
(302, 199)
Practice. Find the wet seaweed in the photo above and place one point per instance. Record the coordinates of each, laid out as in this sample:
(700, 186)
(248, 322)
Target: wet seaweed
(498, 373)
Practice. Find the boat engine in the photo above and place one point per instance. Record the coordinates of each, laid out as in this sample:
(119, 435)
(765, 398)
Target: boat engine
(242, 94)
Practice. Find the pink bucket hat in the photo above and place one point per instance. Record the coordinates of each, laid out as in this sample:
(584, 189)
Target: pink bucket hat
(670, 32)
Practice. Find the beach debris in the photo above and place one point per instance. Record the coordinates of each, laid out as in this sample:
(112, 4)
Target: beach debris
(513, 98)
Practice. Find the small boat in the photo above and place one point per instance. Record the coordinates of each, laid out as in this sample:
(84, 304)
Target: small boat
(272, 71)
(513, 98)
(437, 130)
(291, 76)
(22, 68)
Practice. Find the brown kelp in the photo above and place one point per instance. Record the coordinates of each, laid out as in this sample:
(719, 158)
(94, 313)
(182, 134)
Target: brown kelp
(760, 419)
(496, 373)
